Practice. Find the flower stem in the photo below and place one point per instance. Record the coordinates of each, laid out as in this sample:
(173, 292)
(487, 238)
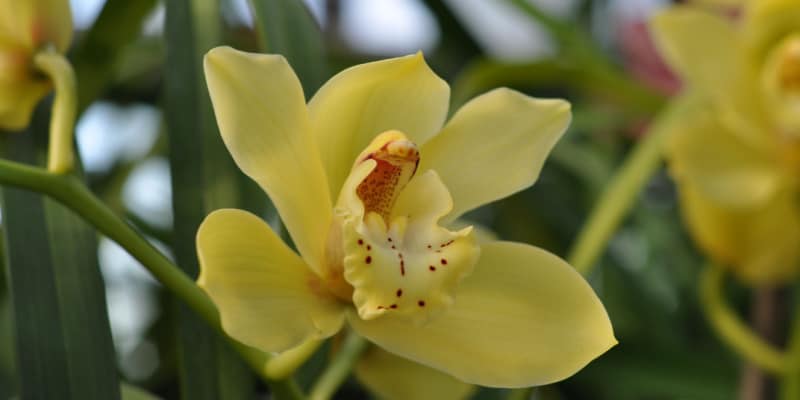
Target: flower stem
(731, 329)
(520, 394)
(61, 157)
(622, 191)
(284, 364)
(765, 306)
(339, 368)
(790, 386)
(71, 192)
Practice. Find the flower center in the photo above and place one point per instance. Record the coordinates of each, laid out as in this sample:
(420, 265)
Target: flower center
(396, 256)
(781, 84)
(396, 161)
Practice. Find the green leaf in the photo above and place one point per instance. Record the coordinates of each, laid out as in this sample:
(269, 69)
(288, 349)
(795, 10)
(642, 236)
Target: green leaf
(42, 368)
(286, 27)
(203, 177)
(130, 392)
(650, 372)
(456, 45)
(95, 58)
(7, 351)
(63, 338)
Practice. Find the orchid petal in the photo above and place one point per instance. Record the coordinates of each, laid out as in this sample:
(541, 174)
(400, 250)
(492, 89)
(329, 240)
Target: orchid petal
(701, 46)
(705, 49)
(362, 101)
(760, 243)
(267, 297)
(705, 154)
(35, 23)
(494, 146)
(18, 100)
(264, 123)
(766, 22)
(395, 378)
(523, 318)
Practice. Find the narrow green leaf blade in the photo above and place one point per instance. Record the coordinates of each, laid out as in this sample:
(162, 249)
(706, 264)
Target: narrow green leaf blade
(286, 27)
(130, 392)
(63, 338)
(95, 57)
(7, 350)
(81, 294)
(203, 176)
(41, 352)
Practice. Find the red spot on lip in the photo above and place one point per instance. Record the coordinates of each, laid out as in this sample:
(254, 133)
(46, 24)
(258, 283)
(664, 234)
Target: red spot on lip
(444, 262)
(369, 247)
(402, 268)
(430, 247)
(432, 268)
(393, 306)
(393, 247)
(360, 242)
(390, 239)
(421, 303)
(368, 259)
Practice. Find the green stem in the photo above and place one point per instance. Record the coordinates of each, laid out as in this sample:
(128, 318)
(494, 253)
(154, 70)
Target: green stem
(71, 192)
(562, 31)
(622, 192)
(731, 329)
(340, 368)
(284, 364)
(61, 157)
(520, 394)
(790, 386)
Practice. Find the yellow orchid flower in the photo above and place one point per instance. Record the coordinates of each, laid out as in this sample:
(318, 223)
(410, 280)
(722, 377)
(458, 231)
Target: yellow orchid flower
(736, 155)
(366, 180)
(26, 27)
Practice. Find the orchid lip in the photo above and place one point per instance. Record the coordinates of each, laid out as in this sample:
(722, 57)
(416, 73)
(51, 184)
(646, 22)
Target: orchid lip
(396, 163)
(399, 261)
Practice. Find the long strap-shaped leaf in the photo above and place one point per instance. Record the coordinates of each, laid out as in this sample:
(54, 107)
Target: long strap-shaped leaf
(63, 340)
(203, 176)
(95, 58)
(286, 27)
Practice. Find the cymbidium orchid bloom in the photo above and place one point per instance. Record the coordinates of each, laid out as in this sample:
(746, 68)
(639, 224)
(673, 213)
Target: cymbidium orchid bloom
(26, 27)
(736, 155)
(367, 181)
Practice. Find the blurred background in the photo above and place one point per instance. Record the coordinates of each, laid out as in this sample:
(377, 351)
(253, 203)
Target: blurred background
(597, 54)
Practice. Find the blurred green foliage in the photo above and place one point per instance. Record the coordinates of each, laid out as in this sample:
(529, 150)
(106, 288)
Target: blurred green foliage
(647, 278)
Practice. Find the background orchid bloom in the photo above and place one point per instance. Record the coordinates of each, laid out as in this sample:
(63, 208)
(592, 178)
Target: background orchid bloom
(366, 179)
(736, 155)
(26, 27)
